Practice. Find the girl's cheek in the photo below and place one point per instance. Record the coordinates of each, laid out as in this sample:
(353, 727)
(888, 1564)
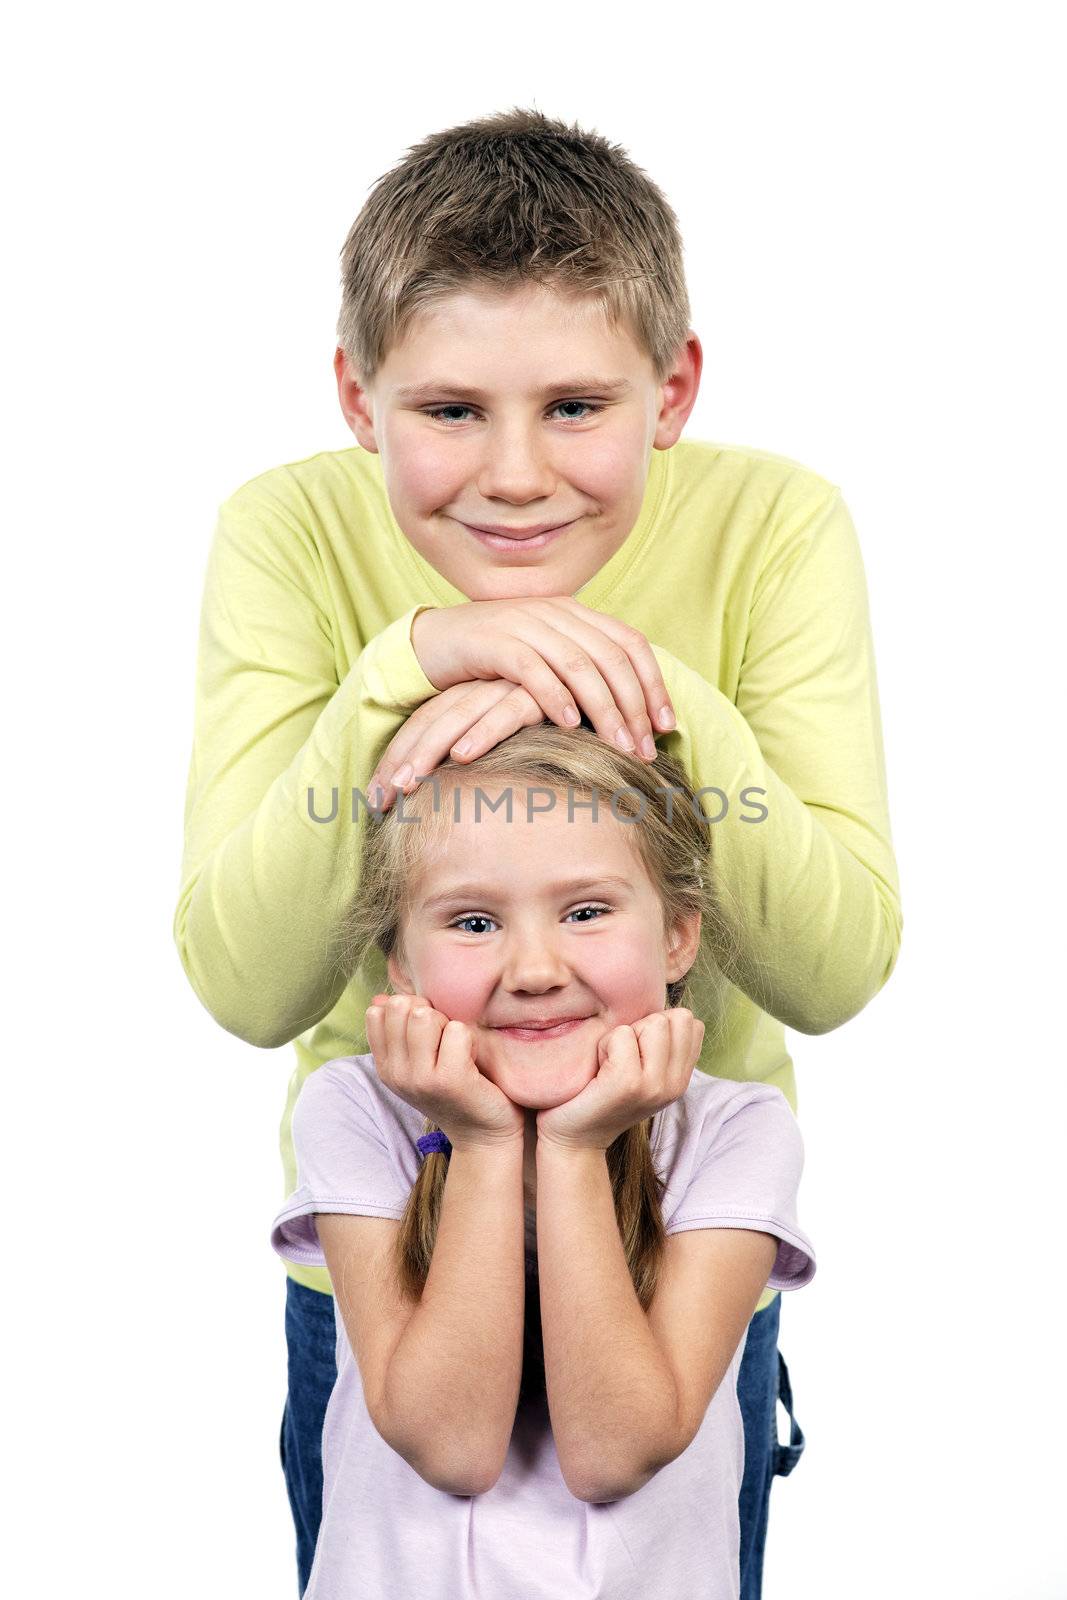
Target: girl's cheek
(457, 994)
(632, 980)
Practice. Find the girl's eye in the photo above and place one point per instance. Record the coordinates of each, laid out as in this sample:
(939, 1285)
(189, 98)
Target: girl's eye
(474, 917)
(446, 414)
(590, 908)
(477, 916)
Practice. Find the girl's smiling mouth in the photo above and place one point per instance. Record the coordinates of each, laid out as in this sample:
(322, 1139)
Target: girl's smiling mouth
(545, 1030)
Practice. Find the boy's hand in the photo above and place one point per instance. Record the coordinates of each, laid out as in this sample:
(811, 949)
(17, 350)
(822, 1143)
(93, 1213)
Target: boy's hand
(644, 1066)
(565, 655)
(429, 1062)
(494, 707)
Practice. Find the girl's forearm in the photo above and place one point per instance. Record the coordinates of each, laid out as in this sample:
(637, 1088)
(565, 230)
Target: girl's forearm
(452, 1385)
(611, 1397)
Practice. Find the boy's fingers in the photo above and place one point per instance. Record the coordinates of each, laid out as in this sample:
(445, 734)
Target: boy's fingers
(561, 665)
(452, 725)
(622, 707)
(534, 658)
(431, 730)
(642, 659)
(595, 670)
(517, 710)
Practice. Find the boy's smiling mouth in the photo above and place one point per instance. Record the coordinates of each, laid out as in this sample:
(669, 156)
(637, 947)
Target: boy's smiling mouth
(494, 538)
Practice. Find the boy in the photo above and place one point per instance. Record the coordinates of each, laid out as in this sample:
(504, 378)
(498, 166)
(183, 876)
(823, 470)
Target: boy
(521, 535)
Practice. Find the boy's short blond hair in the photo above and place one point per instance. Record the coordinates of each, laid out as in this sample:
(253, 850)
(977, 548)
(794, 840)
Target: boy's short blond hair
(508, 199)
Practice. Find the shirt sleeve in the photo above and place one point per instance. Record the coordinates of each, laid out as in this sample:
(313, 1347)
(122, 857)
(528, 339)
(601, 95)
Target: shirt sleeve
(802, 861)
(748, 1177)
(344, 1163)
(262, 880)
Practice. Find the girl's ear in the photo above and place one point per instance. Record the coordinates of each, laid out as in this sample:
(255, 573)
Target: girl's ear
(398, 976)
(682, 946)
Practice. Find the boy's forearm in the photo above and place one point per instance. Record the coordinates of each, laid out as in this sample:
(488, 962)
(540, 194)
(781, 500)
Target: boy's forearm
(808, 895)
(612, 1399)
(452, 1386)
(270, 836)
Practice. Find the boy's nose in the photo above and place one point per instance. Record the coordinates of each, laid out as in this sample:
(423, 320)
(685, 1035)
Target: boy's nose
(515, 468)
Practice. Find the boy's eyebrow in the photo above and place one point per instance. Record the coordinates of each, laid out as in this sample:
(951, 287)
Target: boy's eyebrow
(487, 891)
(415, 393)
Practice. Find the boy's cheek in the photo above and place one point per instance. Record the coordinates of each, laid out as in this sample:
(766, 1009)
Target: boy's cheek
(421, 478)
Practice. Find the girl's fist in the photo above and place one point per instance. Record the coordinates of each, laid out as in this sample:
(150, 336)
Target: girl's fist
(642, 1067)
(428, 1061)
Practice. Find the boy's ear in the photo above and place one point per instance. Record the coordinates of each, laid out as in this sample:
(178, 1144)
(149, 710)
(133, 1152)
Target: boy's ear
(682, 946)
(678, 394)
(355, 403)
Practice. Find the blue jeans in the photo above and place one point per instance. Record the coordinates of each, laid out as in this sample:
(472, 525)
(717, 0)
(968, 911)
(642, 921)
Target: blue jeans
(309, 1335)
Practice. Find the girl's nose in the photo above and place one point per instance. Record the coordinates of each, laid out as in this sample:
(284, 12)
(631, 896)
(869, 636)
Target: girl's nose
(533, 964)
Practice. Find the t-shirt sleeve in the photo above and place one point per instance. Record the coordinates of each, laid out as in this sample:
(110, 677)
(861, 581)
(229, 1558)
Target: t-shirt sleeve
(746, 1174)
(345, 1161)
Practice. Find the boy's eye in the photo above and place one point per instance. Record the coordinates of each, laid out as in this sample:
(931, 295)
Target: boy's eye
(478, 916)
(446, 414)
(440, 414)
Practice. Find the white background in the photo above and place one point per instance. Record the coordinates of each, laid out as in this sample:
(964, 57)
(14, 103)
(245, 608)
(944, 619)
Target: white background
(869, 198)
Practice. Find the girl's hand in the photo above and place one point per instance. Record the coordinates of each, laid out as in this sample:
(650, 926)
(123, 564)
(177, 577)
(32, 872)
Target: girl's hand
(497, 709)
(428, 1061)
(565, 655)
(643, 1066)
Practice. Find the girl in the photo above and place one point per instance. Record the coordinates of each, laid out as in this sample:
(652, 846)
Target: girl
(546, 1240)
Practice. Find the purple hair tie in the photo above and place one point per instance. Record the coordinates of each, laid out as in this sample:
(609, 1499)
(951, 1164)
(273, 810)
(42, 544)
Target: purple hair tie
(435, 1141)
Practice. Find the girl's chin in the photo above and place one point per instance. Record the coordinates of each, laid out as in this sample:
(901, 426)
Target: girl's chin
(540, 1089)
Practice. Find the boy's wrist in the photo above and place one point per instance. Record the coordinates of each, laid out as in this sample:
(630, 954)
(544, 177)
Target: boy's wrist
(420, 644)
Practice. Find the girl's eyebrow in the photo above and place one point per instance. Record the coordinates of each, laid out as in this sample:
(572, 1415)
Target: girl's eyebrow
(419, 393)
(472, 892)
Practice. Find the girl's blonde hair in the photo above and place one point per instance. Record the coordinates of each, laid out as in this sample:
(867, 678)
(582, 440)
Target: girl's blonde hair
(508, 199)
(670, 834)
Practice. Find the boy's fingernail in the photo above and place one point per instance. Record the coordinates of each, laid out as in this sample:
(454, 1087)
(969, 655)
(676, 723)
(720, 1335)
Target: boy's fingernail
(571, 717)
(623, 740)
(648, 747)
(402, 774)
(462, 747)
(666, 718)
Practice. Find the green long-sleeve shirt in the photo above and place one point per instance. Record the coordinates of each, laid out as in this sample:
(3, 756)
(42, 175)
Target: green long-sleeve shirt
(744, 572)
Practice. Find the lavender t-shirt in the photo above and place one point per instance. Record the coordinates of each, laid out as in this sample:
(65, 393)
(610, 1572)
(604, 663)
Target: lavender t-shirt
(732, 1155)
